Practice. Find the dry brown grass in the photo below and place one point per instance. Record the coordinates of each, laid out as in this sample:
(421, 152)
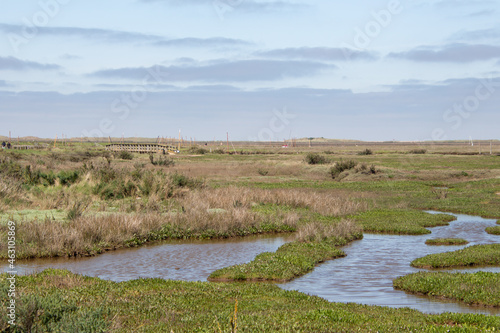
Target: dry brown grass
(318, 231)
(324, 203)
(89, 235)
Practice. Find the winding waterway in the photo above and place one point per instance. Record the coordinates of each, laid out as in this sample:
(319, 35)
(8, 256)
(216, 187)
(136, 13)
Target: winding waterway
(364, 276)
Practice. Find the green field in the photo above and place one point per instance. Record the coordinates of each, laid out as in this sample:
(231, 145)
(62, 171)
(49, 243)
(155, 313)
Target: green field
(79, 199)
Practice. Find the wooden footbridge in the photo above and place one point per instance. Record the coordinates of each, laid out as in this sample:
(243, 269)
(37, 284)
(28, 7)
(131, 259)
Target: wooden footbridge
(143, 148)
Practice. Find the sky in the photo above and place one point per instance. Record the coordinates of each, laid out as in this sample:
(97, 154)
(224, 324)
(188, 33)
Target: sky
(259, 70)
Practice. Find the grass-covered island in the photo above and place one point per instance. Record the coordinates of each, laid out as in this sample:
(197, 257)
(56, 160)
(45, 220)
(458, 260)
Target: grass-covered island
(476, 255)
(481, 288)
(446, 241)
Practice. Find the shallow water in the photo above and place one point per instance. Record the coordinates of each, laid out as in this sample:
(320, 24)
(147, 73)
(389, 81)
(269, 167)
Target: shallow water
(365, 275)
(174, 260)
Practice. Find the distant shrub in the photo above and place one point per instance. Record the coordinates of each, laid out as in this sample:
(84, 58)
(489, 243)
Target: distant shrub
(198, 150)
(179, 180)
(125, 155)
(342, 166)
(219, 151)
(366, 152)
(312, 158)
(162, 161)
(262, 172)
(418, 151)
(68, 177)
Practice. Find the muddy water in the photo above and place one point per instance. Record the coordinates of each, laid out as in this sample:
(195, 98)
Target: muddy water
(365, 275)
(175, 260)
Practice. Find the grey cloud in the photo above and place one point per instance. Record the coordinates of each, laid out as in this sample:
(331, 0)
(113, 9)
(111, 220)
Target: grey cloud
(413, 112)
(70, 57)
(104, 34)
(243, 70)
(463, 3)
(202, 42)
(15, 64)
(318, 53)
(115, 36)
(459, 53)
(486, 12)
(249, 5)
(476, 35)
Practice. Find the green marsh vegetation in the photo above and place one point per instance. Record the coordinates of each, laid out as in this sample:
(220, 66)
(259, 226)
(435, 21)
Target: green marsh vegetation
(316, 243)
(401, 221)
(156, 305)
(95, 201)
(481, 288)
(446, 241)
(476, 255)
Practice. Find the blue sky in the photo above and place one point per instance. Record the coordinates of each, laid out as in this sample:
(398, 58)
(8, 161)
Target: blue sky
(258, 69)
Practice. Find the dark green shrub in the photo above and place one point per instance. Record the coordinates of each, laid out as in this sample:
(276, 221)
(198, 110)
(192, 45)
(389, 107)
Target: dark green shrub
(162, 161)
(262, 172)
(179, 180)
(312, 158)
(342, 166)
(219, 151)
(68, 177)
(366, 152)
(418, 151)
(125, 155)
(198, 150)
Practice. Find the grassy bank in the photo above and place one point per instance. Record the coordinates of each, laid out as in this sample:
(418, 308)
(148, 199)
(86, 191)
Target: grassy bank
(481, 288)
(91, 235)
(401, 222)
(60, 301)
(316, 243)
(476, 255)
(446, 241)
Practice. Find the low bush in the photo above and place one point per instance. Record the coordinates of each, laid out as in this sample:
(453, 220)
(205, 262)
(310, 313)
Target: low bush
(198, 150)
(68, 177)
(366, 152)
(312, 158)
(418, 151)
(125, 155)
(342, 166)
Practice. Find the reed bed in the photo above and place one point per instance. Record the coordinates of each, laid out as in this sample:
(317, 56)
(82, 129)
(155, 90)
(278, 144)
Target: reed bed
(93, 234)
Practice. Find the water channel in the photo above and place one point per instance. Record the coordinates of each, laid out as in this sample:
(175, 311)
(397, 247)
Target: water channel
(364, 276)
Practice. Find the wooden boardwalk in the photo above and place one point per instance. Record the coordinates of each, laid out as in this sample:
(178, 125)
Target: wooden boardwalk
(142, 148)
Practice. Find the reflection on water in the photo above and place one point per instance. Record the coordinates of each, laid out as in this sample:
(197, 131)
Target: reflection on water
(175, 260)
(365, 275)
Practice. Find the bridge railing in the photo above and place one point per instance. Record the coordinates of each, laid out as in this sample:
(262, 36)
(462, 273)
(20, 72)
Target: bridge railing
(142, 148)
